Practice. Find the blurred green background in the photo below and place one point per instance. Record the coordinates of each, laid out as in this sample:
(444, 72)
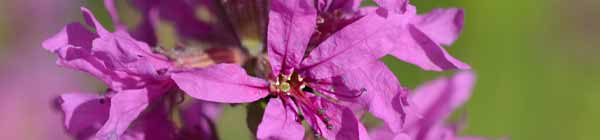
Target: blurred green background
(536, 60)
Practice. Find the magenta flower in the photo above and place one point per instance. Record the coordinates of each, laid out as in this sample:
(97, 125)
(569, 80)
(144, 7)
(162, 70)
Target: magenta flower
(310, 88)
(139, 88)
(420, 41)
(435, 101)
(134, 75)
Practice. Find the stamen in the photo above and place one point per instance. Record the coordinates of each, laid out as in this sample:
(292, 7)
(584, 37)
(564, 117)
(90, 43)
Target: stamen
(321, 111)
(317, 135)
(285, 87)
(329, 126)
(326, 120)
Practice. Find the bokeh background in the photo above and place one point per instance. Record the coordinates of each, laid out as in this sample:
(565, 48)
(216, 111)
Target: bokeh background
(537, 63)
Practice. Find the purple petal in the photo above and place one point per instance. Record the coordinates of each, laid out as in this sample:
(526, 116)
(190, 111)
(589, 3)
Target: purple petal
(417, 48)
(440, 97)
(398, 6)
(225, 83)
(437, 99)
(382, 93)
(115, 58)
(345, 124)
(91, 20)
(357, 44)
(154, 124)
(84, 113)
(125, 107)
(199, 119)
(291, 24)
(441, 25)
(279, 123)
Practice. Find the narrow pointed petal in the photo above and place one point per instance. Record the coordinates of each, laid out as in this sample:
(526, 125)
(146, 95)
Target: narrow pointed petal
(225, 83)
(418, 49)
(84, 113)
(279, 123)
(438, 98)
(291, 24)
(125, 107)
(345, 124)
(380, 92)
(441, 25)
(92, 21)
(357, 44)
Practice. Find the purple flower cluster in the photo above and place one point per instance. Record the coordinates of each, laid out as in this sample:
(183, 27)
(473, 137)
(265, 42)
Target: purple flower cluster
(316, 70)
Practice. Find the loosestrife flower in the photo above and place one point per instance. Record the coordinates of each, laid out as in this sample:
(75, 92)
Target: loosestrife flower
(303, 88)
(138, 80)
(434, 101)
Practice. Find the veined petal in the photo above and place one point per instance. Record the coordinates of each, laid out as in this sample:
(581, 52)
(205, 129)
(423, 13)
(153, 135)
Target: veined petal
(84, 113)
(345, 124)
(357, 44)
(291, 24)
(417, 48)
(115, 58)
(374, 87)
(438, 98)
(125, 107)
(279, 123)
(441, 25)
(225, 83)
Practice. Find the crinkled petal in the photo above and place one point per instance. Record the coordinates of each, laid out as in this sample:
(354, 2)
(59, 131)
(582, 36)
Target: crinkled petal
(417, 48)
(199, 119)
(125, 107)
(437, 99)
(279, 123)
(225, 83)
(345, 124)
(291, 24)
(380, 92)
(441, 25)
(84, 113)
(357, 44)
(115, 58)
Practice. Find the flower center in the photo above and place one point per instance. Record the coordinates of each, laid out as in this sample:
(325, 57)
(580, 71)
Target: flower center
(287, 84)
(292, 90)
